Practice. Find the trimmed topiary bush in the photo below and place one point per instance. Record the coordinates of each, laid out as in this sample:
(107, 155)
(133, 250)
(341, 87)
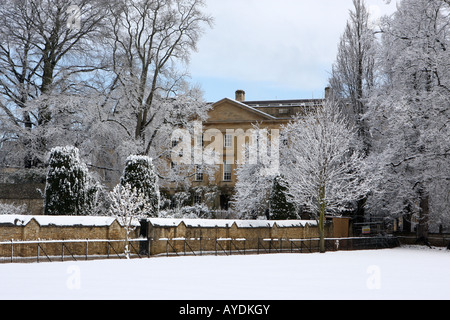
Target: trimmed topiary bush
(69, 189)
(139, 174)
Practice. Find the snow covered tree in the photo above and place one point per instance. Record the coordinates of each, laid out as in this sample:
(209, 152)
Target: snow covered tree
(149, 41)
(139, 174)
(127, 205)
(280, 206)
(323, 168)
(114, 85)
(69, 189)
(143, 93)
(252, 191)
(13, 209)
(408, 115)
(43, 54)
(256, 174)
(353, 73)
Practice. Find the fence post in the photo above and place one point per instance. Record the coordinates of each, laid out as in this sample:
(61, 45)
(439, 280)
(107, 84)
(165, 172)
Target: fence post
(87, 248)
(38, 247)
(12, 249)
(149, 246)
(167, 248)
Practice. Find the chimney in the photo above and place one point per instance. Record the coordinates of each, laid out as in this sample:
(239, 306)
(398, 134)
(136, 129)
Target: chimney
(328, 93)
(240, 95)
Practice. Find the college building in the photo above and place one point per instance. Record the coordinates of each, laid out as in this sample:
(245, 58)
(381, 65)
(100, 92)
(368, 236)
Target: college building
(231, 119)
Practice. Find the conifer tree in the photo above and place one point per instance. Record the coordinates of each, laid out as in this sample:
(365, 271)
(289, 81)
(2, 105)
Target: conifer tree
(139, 174)
(69, 189)
(280, 207)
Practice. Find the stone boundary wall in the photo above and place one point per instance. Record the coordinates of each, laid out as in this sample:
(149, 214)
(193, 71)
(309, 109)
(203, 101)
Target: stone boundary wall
(202, 235)
(33, 228)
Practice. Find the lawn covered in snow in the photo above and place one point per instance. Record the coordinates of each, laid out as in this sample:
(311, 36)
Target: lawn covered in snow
(401, 273)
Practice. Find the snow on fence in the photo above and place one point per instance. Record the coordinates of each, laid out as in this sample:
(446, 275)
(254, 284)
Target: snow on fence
(63, 250)
(104, 237)
(89, 249)
(243, 246)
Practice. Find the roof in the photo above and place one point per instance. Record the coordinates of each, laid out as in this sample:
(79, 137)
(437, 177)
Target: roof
(268, 108)
(285, 103)
(246, 107)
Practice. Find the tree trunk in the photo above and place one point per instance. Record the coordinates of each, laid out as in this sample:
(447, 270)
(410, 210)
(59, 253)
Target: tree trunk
(422, 228)
(322, 231)
(322, 208)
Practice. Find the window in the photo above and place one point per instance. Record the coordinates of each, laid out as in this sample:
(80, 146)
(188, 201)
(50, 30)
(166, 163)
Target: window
(198, 174)
(228, 142)
(175, 143)
(226, 172)
(197, 198)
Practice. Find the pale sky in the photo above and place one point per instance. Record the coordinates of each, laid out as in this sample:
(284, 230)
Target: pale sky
(272, 49)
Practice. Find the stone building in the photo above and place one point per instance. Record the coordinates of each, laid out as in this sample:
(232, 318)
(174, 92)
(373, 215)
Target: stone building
(233, 118)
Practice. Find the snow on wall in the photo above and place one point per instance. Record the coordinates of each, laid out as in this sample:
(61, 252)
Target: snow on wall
(105, 221)
(221, 223)
(61, 221)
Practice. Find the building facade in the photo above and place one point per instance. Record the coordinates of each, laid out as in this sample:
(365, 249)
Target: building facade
(231, 119)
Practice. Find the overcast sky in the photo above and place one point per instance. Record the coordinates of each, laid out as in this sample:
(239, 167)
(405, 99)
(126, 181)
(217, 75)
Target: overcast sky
(272, 49)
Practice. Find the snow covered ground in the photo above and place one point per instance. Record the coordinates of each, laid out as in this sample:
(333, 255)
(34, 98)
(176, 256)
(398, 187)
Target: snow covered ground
(401, 273)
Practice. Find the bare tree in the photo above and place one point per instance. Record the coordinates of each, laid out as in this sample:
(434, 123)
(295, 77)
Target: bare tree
(353, 71)
(40, 51)
(150, 40)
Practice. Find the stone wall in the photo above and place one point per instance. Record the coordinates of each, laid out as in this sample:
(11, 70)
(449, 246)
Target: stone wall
(34, 228)
(207, 235)
(23, 227)
(165, 235)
